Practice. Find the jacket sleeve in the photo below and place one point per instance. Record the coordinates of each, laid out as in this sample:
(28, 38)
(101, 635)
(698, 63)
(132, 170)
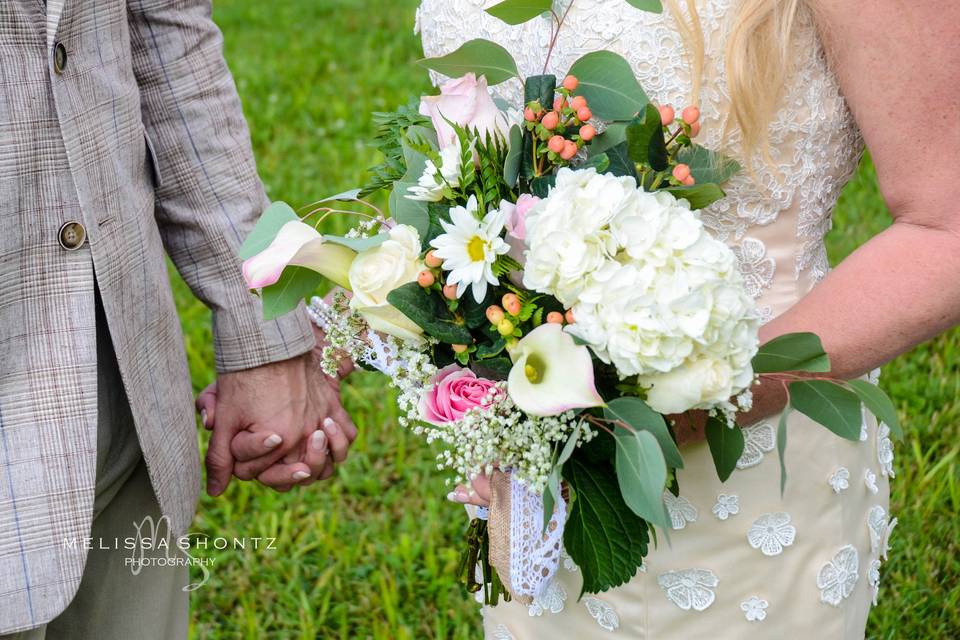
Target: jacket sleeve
(208, 193)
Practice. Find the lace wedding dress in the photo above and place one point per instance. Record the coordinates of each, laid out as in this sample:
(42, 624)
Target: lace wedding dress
(742, 561)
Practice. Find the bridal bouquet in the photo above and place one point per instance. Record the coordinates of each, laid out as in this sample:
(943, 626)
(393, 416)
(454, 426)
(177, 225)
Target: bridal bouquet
(542, 295)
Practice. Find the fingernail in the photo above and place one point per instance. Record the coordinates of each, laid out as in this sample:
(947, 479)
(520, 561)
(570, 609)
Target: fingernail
(213, 488)
(203, 417)
(300, 475)
(272, 441)
(330, 426)
(457, 496)
(452, 496)
(318, 441)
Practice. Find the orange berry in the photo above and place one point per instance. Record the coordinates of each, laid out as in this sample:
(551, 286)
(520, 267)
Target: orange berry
(690, 115)
(529, 115)
(667, 114)
(569, 150)
(426, 279)
(559, 103)
(550, 121)
(587, 132)
(688, 181)
(450, 292)
(556, 144)
(494, 314)
(459, 348)
(555, 317)
(570, 83)
(584, 114)
(568, 316)
(511, 303)
(681, 172)
(578, 102)
(694, 129)
(432, 260)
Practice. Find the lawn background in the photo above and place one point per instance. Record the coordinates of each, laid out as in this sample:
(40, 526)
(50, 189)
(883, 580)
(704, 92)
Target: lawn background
(371, 553)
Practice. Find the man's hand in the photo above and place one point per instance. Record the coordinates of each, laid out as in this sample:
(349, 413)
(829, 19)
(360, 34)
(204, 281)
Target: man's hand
(281, 423)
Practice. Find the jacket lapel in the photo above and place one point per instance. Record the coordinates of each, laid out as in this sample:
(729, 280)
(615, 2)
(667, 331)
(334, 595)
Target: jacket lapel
(54, 11)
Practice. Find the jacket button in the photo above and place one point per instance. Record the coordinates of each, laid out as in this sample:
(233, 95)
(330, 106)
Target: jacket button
(59, 57)
(72, 236)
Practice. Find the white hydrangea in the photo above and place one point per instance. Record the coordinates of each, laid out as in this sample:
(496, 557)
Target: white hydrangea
(652, 292)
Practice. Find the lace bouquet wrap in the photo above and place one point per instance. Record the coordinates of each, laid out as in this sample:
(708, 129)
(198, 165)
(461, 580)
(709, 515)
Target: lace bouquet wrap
(541, 294)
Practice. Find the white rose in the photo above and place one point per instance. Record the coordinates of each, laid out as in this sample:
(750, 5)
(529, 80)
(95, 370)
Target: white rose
(378, 271)
(703, 383)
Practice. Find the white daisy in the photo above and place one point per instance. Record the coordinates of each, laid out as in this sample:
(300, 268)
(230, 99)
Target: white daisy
(430, 186)
(469, 247)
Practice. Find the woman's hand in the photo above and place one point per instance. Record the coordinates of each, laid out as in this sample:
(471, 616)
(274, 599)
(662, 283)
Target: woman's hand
(478, 494)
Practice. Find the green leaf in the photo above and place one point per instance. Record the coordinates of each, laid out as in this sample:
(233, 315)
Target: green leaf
(493, 368)
(708, 166)
(600, 162)
(267, 228)
(792, 352)
(282, 297)
(346, 196)
(511, 167)
(550, 495)
(829, 404)
(608, 84)
(570, 446)
(641, 473)
(726, 446)
(489, 350)
(645, 139)
(879, 405)
(475, 313)
(782, 448)
(541, 186)
(519, 11)
(482, 57)
(638, 414)
(699, 196)
(615, 133)
(620, 163)
(358, 244)
(602, 535)
(653, 6)
(404, 210)
(429, 312)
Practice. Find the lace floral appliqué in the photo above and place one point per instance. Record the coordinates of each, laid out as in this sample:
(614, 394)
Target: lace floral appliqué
(689, 588)
(870, 480)
(754, 609)
(602, 612)
(680, 509)
(552, 600)
(727, 505)
(840, 480)
(838, 577)
(880, 529)
(757, 440)
(771, 532)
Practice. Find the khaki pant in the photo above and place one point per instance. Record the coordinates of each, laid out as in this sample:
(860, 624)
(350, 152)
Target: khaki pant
(116, 600)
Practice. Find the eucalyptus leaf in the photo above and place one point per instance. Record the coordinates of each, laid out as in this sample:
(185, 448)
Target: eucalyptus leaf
(358, 244)
(282, 297)
(481, 57)
(726, 446)
(700, 196)
(267, 228)
(347, 196)
(828, 404)
(608, 84)
(708, 166)
(653, 6)
(429, 312)
(511, 167)
(782, 448)
(519, 11)
(404, 210)
(614, 134)
(550, 495)
(603, 536)
(792, 352)
(879, 405)
(641, 473)
(571, 444)
(636, 413)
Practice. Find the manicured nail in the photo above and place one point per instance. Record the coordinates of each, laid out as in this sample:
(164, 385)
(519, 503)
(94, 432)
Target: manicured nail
(330, 426)
(318, 441)
(203, 417)
(272, 441)
(452, 497)
(300, 475)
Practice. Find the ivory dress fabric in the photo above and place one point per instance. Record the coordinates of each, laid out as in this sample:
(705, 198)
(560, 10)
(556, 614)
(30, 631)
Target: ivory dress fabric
(742, 561)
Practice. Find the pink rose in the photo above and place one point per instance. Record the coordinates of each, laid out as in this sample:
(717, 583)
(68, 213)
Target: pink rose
(455, 391)
(517, 217)
(467, 102)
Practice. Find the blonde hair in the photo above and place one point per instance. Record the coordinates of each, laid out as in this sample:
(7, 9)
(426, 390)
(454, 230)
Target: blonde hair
(757, 61)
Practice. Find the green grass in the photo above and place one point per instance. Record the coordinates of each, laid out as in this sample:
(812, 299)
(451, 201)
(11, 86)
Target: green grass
(371, 553)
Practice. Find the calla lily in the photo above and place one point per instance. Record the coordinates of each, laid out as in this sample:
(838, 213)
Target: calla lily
(298, 244)
(551, 373)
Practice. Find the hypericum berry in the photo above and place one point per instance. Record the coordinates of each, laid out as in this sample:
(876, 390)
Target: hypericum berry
(426, 279)
(681, 172)
(450, 292)
(667, 114)
(459, 348)
(550, 121)
(529, 115)
(578, 102)
(494, 314)
(569, 150)
(511, 303)
(694, 129)
(587, 132)
(556, 144)
(555, 317)
(690, 115)
(570, 83)
(559, 103)
(688, 181)
(432, 260)
(505, 327)
(584, 114)
(568, 316)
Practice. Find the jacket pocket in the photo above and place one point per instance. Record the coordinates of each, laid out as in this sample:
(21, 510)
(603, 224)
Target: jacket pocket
(152, 160)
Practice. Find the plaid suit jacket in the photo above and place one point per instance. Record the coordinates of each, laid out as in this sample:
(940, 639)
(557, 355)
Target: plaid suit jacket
(134, 130)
